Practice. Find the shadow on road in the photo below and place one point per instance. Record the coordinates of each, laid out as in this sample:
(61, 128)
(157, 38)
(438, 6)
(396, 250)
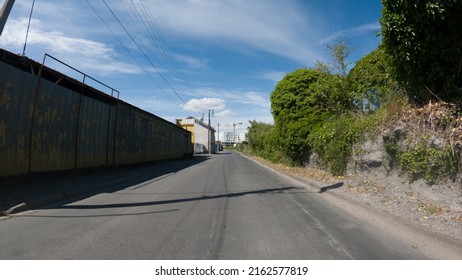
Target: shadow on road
(223, 153)
(50, 190)
(331, 187)
(100, 215)
(181, 200)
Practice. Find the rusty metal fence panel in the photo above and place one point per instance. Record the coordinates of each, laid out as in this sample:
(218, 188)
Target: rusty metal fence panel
(93, 136)
(55, 123)
(16, 101)
(54, 129)
(142, 137)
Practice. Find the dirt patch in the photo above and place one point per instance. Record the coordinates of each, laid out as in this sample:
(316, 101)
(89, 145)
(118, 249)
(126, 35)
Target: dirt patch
(437, 208)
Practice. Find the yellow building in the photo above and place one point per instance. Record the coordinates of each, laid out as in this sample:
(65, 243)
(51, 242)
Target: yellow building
(202, 136)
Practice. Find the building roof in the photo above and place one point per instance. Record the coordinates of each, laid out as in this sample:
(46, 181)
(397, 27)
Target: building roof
(201, 122)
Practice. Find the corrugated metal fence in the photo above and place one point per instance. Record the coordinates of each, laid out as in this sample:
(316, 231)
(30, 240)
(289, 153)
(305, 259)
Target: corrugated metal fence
(56, 123)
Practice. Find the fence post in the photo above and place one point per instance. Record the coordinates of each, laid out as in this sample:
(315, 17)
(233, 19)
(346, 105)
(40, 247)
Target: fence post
(34, 108)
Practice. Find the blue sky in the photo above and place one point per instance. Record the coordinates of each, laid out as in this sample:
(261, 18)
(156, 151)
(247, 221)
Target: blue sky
(177, 58)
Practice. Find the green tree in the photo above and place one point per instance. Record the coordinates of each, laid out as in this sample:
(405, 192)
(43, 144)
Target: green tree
(258, 136)
(423, 39)
(338, 52)
(301, 101)
(294, 111)
(264, 142)
(371, 83)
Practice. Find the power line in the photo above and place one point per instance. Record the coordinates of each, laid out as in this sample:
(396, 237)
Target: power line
(158, 44)
(145, 55)
(123, 45)
(164, 46)
(144, 15)
(159, 52)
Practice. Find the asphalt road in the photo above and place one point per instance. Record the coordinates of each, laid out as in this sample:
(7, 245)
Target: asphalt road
(221, 207)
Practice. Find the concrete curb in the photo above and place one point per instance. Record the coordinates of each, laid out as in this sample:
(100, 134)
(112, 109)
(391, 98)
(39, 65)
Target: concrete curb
(59, 197)
(16, 209)
(315, 185)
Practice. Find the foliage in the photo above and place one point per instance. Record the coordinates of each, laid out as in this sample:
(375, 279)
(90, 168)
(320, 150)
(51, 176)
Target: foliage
(331, 92)
(392, 150)
(327, 111)
(264, 142)
(243, 147)
(301, 101)
(423, 40)
(258, 135)
(371, 83)
(339, 52)
(427, 162)
(334, 140)
(294, 111)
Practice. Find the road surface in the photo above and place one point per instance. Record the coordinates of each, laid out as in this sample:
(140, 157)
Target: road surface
(225, 206)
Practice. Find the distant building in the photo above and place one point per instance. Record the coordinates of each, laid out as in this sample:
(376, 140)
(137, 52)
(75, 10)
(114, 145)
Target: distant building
(229, 139)
(202, 136)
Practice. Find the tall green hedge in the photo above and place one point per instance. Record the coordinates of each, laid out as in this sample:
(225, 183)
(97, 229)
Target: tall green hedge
(303, 100)
(423, 39)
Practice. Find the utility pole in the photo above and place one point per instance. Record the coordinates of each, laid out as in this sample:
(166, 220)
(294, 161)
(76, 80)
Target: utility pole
(4, 13)
(28, 27)
(209, 129)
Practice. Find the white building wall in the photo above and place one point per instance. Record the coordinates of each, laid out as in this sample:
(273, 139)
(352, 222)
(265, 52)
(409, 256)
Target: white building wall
(229, 137)
(201, 135)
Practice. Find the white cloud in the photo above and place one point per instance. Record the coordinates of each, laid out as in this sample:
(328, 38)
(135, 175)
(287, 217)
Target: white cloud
(112, 66)
(80, 52)
(192, 62)
(276, 27)
(204, 104)
(244, 106)
(254, 98)
(350, 32)
(271, 75)
(56, 41)
(225, 114)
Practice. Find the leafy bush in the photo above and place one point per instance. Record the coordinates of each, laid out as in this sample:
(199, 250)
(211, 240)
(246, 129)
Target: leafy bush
(293, 111)
(423, 40)
(240, 147)
(301, 101)
(428, 163)
(332, 143)
(334, 140)
(263, 142)
(258, 135)
(371, 83)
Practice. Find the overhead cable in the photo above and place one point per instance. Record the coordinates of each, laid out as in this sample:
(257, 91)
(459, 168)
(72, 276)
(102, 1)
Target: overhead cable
(145, 55)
